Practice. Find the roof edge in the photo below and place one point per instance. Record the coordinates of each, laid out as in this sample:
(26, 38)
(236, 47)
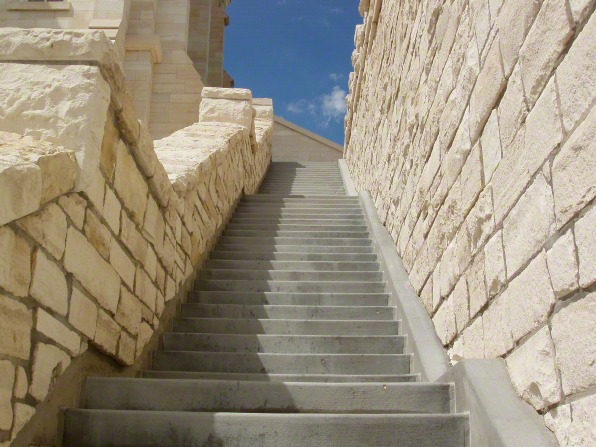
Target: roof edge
(309, 134)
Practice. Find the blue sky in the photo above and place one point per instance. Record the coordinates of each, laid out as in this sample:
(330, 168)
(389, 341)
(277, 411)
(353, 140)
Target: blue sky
(297, 52)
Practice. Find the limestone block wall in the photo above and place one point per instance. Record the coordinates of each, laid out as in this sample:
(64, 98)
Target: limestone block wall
(471, 122)
(100, 227)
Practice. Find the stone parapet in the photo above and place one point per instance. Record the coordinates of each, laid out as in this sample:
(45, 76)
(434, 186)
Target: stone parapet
(100, 227)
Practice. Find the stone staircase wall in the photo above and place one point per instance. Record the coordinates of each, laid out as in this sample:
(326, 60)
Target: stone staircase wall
(100, 227)
(471, 123)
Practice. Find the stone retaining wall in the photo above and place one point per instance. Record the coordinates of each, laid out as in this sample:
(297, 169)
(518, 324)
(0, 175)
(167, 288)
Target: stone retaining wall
(471, 122)
(99, 227)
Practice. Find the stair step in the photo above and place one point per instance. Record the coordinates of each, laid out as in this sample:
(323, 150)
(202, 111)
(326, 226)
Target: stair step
(304, 228)
(260, 397)
(289, 256)
(281, 363)
(264, 199)
(315, 220)
(266, 207)
(291, 299)
(322, 378)
(314, 249)
(313, 344)
(287, 275)
(321, 242)
(254, 326)
(291, 286)
(95, 428)
(287, 312)
(333, 266)
(321, 234)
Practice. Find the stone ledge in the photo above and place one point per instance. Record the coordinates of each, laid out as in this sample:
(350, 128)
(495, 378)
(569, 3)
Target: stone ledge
(39, 6)
(226, 93)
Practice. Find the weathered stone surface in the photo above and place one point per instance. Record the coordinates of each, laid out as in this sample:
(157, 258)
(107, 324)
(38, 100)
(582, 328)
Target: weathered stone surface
(154, 224)
(515, 20)
(21, 383)
(461, 305)
(57, 331)
(98, 234)
(16, 322)
(107, 333)
(20, 190)
(480, 221)
(491, 146)
(145, 289)
(494, 264)
(476, 285)
(573, 329)
(226, 93)
(133, 239)
(83, 313)
(145, 334)
(129, 312)
(580, 9)
(562, 265)
(130, 184)
(545, 42)
(111, 210)
(126, 349)
(528, 225)
(528, 298)
(15, 270)
(48, 228)
(585, 239)
(22, 414)
(7, 372)
(512, 109)
(473, 340)
(444, 321)
(96, 275)
(533, 372)
(574, 424)
(236, 111)
(576, 76)
(67, 106)
(497, 333)
(49, 362)
(122, 263)
(74, 205)
(574, 171)
(49, 286)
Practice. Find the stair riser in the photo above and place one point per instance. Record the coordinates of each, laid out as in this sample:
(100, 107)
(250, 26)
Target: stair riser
(300, 257)
(320, 378)
(305, 249)
(281, 363)
(259, 397)
(273, 228)
(321, 242)
(285, 327)
(297, 234)
(277, 275)
(291, 299)
(283, 344)
(287, 312)
(295, 266)
(268, 221)
(290, 286)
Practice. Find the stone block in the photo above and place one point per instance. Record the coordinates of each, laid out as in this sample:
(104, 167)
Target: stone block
(512, 109)
(133, 240)
(473, 340)
(233, 111)
(129, 312)
(528, 299)
(72, 116)
(16, 322)
(56, 330)
(130, 185)
(22, 414)
(111, 210)
(494, 264)
(74, 205)
(7, 372)
(580, 9)
(497, 332)
(145, 334)
(573, 329)
(145, 289)
(528, 225)
(48, 228)
(480, 221)
(122, 263)
(585, 239)
(21, 383)
(576, 76)
(574, 424)
(126, 349)
(471, 180)
(543, 46)
(154, 224)
(533, 371)
(562, 265)
(489, 86)
(83, 313)
(574, 171)
(444, 321)
(514, 22)
(15, 270)
(98, 234)
(107, 333)
(476, 286)
(49, 362)
(20, 190)
(91, 270)
(49, 285)
(490, 142)
(461, 305)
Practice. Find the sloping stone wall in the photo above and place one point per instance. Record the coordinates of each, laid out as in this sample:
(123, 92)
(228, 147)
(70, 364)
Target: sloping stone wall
(471, 122)
(100, 227)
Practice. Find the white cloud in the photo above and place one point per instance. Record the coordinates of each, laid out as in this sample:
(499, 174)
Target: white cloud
(335, 76)
(325, 108)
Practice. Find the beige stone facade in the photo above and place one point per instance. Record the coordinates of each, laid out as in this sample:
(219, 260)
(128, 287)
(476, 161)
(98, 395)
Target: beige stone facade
(294, 143)
(472, 125)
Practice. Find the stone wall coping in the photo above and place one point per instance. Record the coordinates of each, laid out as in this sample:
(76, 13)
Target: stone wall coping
(227, 93)
(262, 102)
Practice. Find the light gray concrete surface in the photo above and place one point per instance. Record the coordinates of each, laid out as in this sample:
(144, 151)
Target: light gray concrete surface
(348, 183)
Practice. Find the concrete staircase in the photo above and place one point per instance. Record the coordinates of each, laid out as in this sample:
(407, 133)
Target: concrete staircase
(286, 341)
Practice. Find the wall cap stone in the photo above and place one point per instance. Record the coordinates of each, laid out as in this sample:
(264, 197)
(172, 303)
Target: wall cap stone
(226, 93)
